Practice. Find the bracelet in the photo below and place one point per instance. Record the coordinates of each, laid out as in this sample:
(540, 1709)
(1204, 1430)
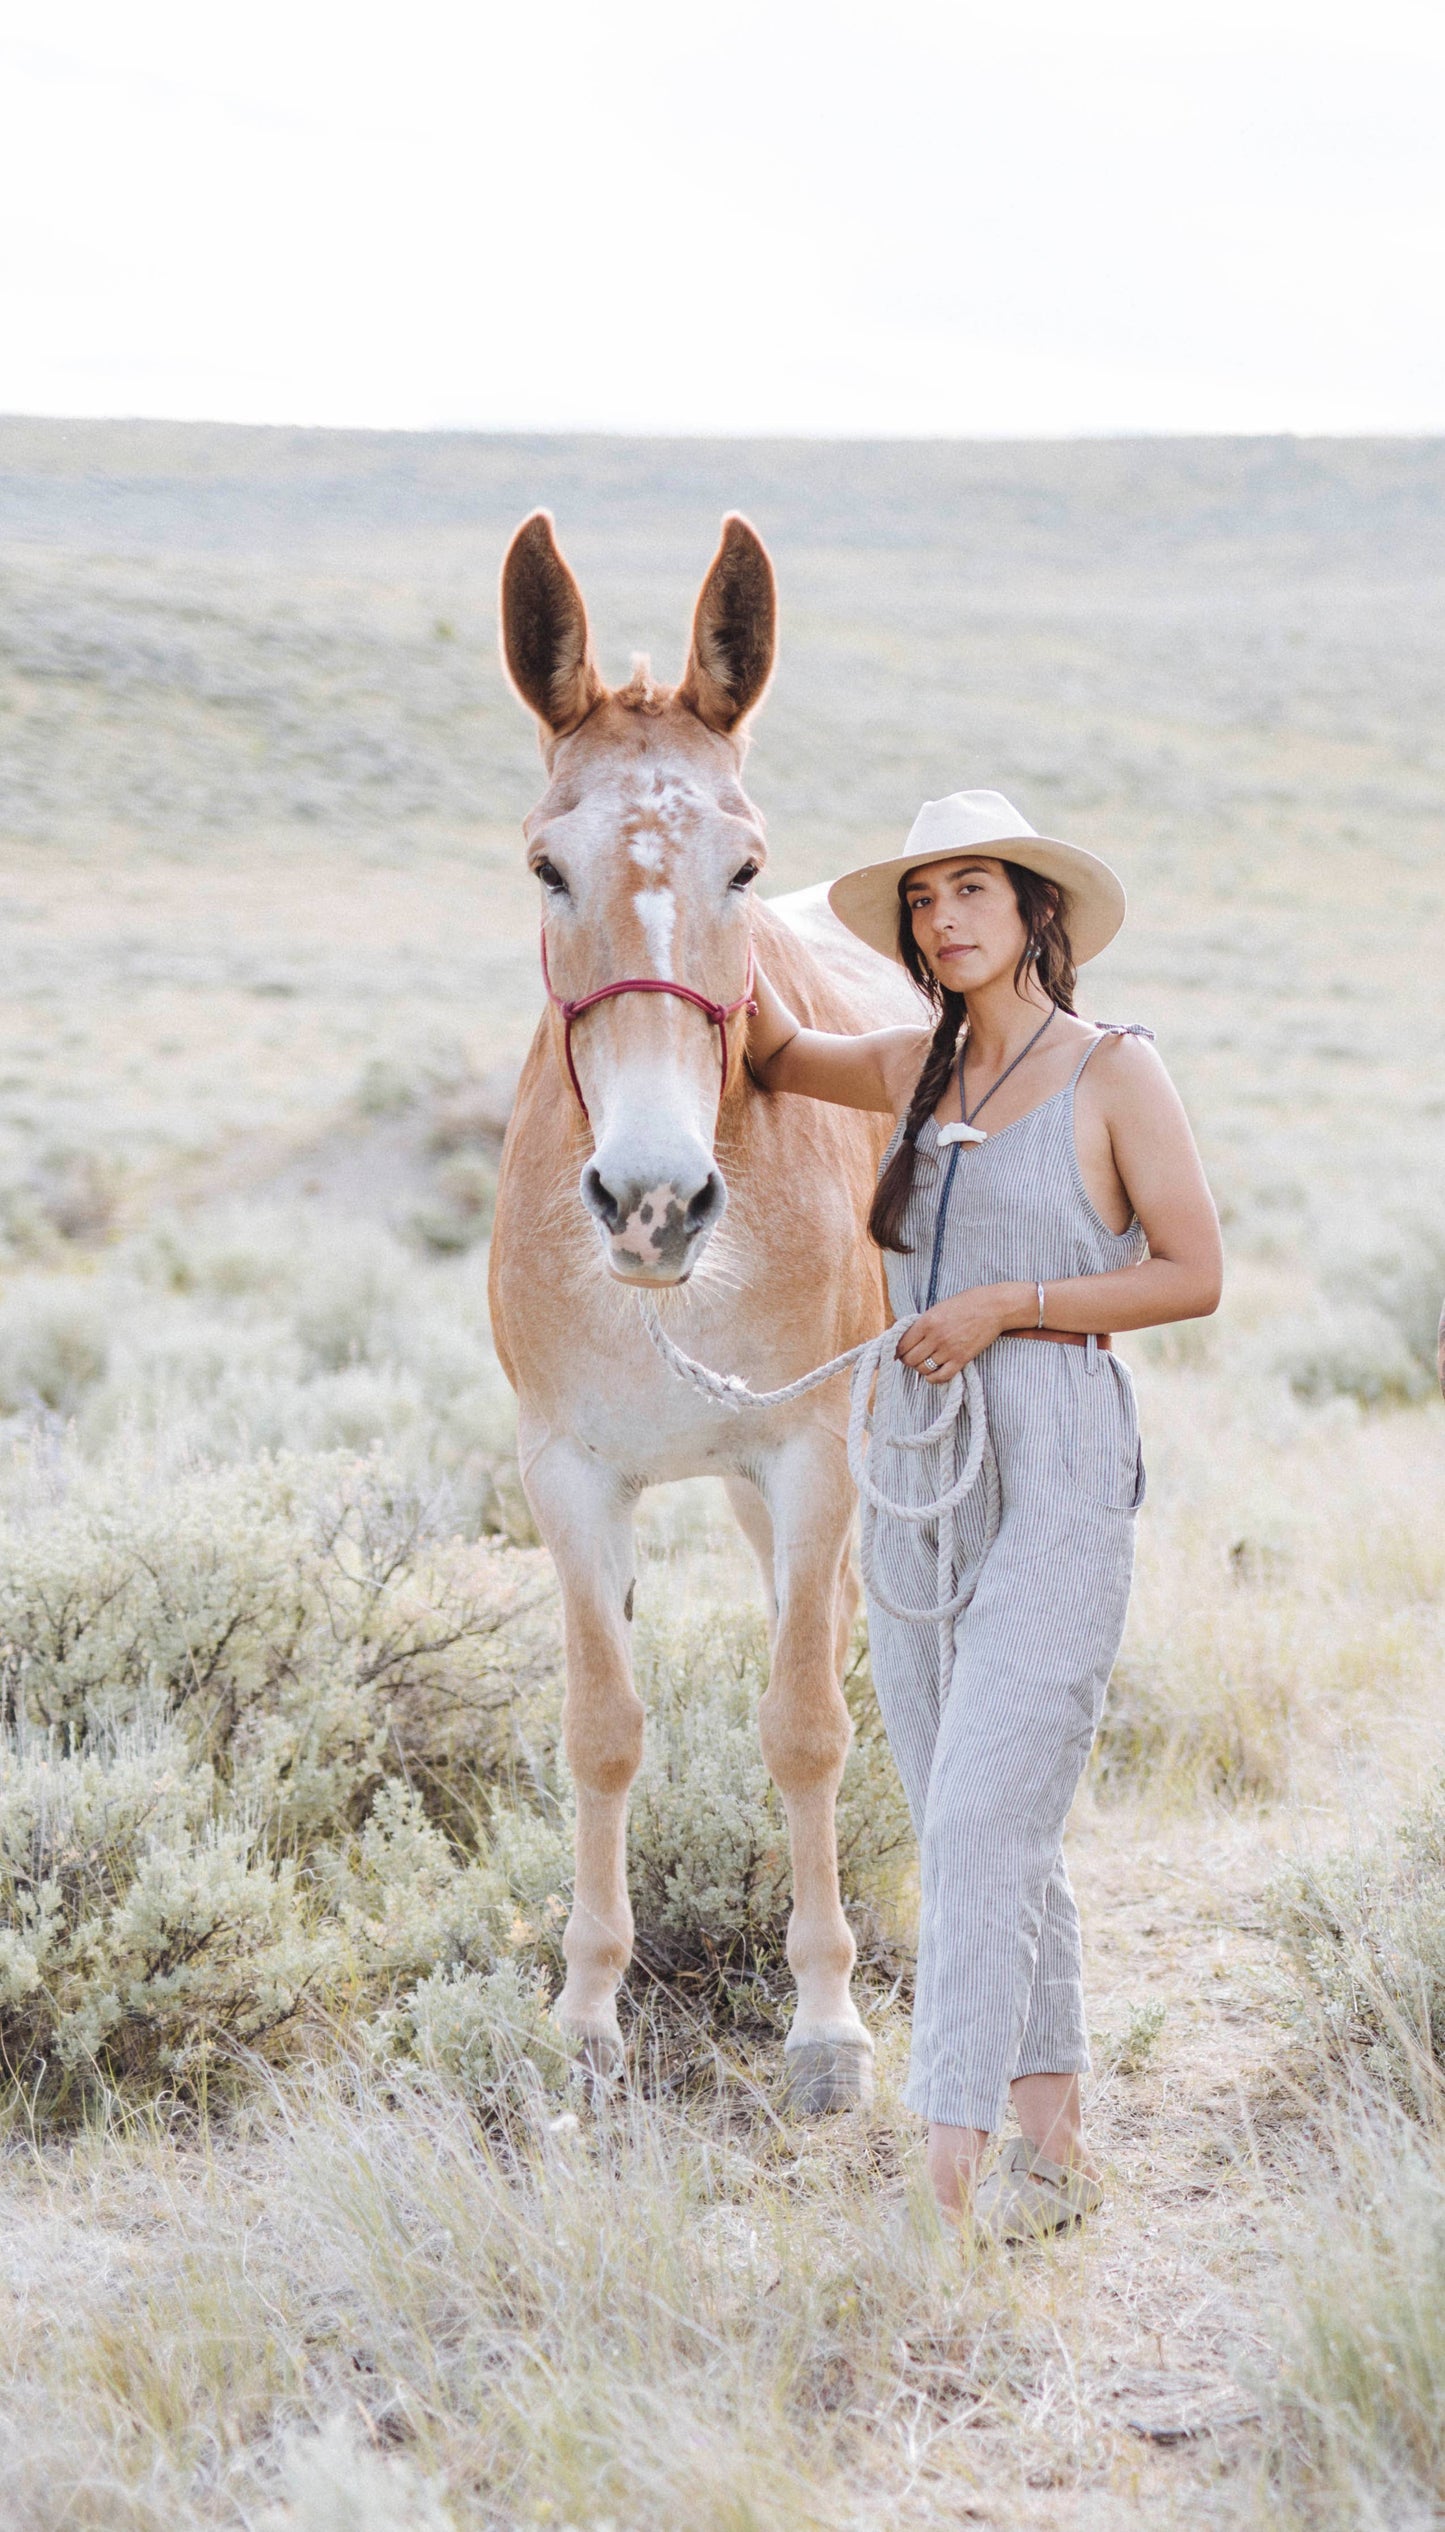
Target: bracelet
(1040, 1319)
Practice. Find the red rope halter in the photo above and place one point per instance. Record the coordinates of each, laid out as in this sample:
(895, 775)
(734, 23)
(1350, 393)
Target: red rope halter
(719, 1013)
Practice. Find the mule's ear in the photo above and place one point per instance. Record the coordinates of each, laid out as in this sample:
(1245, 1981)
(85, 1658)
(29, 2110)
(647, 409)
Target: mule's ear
(734, 632)
(544, 629)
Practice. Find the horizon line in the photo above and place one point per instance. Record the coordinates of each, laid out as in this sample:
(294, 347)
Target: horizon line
(1111, 435)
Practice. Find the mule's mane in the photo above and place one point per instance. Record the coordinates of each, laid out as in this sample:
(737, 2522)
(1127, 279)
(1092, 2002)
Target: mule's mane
(642, 693)
(822, 997)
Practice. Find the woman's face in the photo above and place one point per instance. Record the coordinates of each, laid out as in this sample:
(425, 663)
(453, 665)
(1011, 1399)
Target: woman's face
(966, 922)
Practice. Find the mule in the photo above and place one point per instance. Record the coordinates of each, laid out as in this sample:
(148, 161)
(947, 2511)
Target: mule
(641, 1156)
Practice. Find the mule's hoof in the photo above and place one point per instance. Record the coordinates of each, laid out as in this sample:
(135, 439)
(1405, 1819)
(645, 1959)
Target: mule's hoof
(597, 2057)
(827, 2075)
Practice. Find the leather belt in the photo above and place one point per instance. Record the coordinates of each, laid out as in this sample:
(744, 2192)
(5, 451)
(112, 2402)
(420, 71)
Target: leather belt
(1060, 1336)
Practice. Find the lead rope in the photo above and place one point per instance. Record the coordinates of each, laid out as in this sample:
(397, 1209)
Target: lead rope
(959, 1435)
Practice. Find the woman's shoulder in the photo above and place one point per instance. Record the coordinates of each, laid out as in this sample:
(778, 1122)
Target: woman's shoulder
(1124, 1061)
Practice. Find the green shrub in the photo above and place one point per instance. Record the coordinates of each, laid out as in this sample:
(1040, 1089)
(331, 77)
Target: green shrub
(1371, 1333)
(281, 1749)
(1353, 1350)
(348, 1312)
(148, 1931)
(484, 2032)
(139, 1928)
(709, 1865)
(235, 1336)
(54, 1345)
(1402, 1271)
(1129, 2051)
(257, 1725)
(298, 1618)
(465, 1203)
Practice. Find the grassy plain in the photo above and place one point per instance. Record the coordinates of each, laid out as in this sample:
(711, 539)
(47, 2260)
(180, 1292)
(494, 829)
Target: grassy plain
(270, 957)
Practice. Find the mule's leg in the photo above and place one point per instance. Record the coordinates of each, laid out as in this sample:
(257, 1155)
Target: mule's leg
(805, 1731)
(756, 1524)
(584, 1512)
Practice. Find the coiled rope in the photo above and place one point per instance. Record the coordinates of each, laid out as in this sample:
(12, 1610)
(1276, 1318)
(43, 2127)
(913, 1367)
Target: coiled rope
(958, 1436)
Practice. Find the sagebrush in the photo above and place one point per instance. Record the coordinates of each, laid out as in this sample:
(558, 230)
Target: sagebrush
(282, 1756)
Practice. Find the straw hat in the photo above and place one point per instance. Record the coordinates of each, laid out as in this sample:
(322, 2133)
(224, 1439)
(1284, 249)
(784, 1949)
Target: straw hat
(983, 823)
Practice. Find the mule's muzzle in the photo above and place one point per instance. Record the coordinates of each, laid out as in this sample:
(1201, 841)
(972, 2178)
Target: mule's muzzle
(654, 1230)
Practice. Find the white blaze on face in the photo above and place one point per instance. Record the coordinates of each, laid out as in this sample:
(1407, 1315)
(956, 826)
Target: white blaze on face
(657, 913)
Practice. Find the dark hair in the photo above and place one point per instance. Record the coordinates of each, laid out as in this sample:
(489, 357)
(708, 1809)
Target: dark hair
(1047, 951)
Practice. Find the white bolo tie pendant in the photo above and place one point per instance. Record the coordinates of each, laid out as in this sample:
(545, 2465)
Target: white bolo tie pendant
(962, 1134)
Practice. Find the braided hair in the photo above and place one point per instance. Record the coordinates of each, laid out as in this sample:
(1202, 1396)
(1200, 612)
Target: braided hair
(1047, 950)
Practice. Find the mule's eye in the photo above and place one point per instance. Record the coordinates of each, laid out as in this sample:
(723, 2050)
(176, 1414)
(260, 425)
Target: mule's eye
(551, 877)
(744, 878)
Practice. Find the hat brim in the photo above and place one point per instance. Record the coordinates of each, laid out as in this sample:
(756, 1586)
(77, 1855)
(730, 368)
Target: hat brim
(1094, 902)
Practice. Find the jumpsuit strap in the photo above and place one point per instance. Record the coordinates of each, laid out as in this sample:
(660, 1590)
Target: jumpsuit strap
(1106, 1028)
(1109, 1028)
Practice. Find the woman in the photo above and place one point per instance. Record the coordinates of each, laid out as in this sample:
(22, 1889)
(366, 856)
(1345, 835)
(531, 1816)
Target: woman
(1078, 1208)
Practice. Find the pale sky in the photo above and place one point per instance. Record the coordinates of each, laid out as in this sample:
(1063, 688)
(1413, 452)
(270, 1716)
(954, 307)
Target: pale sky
(1033, 218)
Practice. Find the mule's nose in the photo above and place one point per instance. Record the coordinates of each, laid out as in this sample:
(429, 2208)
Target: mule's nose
(656, 1226)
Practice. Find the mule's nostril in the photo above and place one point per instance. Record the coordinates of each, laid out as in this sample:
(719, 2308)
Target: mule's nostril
(600, 1200)
(706, 1202)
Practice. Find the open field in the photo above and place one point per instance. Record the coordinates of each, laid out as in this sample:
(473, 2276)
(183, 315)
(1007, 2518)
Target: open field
(283, 1825)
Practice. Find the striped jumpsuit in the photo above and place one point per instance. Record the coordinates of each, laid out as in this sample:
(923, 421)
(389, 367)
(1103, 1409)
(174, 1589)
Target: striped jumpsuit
(991, 1756)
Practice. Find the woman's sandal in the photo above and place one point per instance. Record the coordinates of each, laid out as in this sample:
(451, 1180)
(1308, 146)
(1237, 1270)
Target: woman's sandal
(1026, 2197)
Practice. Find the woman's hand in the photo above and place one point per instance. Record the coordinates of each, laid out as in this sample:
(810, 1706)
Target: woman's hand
(950, 1334)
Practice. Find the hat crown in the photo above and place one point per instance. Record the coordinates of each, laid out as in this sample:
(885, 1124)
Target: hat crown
(966, 821)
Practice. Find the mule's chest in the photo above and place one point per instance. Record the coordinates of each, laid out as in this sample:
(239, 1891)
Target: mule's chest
(652, 1427)
(599, 1380)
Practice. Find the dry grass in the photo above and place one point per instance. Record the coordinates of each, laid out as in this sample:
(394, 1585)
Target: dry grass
(634, 2314)
(1358, 2407)
(640, 2313)
(1289, 1589)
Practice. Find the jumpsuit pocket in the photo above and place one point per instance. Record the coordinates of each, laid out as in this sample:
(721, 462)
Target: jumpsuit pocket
(1107, 1459)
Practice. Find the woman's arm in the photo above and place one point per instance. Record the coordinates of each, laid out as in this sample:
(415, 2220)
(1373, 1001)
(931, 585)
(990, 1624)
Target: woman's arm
(875, 1070)
(1182, 1276)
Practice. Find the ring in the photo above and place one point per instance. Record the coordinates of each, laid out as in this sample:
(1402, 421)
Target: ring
(928, 1363)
